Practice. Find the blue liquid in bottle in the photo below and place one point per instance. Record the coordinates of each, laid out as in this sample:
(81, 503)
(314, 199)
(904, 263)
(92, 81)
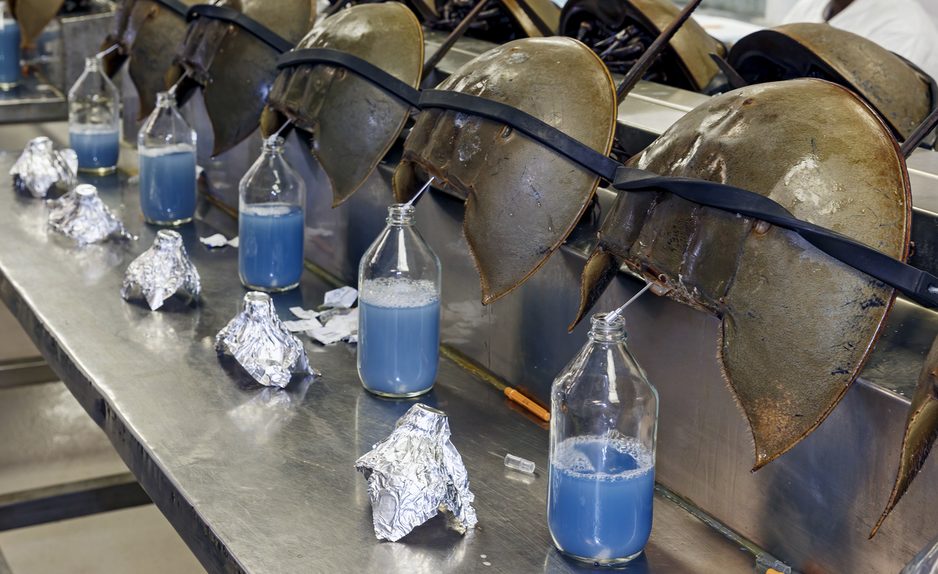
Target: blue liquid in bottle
(398, 336)
(167, 184)
(9, 53)
(600, 498)
(270, 252)
(96, 146)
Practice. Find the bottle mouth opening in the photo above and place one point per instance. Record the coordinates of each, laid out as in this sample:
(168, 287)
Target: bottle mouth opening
(168, 237)
(401, 213)
(601, 325)
(274, 144)
(86, 190)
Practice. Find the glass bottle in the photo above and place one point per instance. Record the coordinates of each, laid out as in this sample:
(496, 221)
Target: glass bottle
(604, 418)
(271, 222)
(94, 120)
(166, 146)
(9, 49)
(399, 310)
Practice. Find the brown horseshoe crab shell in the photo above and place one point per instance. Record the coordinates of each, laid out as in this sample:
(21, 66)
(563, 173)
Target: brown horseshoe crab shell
(522, 199)
(797, 325)
(147, 34)
(899, 92)
(33, 16)
(353, 122)
(235, 69)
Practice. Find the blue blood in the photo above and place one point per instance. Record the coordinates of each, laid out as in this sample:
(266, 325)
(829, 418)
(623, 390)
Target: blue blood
(167, 184)
(9, 52)
(96, 146)
(600, 497)
(398, 347)
(270, 252)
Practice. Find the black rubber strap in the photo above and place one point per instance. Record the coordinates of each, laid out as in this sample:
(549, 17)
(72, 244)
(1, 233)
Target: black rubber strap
(175, 6)
(366, 70)
(246, 23)
(525, 123)
(914, 283)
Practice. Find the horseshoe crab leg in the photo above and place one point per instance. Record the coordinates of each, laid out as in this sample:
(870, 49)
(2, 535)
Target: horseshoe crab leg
(645, 61)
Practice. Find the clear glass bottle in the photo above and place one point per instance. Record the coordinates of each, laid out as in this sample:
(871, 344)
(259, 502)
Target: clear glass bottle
(604, 419)
(399, 283)
(9, 49)
(271, 222)
(167, 149)
(94, 120)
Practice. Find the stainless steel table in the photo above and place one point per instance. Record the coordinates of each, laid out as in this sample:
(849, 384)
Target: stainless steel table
(260, 480)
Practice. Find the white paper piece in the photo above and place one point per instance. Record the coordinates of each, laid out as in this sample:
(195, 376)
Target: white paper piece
(218, 240)
(302, 326)
(304, 313)
(337, 328)
(342, 298)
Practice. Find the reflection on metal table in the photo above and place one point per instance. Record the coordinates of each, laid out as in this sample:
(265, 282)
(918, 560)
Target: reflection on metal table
(260, 480)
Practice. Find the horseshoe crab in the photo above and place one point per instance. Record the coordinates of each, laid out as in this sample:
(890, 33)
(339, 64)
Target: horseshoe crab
(621, 31)
(522, 199)
(902, 94)
(33, 16)
(352, 123)
(921, 430)
(777, 295)
(146, 32)
(235, 69)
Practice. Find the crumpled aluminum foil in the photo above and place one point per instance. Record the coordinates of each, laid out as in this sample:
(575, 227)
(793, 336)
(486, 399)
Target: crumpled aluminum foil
(261, 344)
(81, 215)
(40, 168)
(162, 271)
(414, 473)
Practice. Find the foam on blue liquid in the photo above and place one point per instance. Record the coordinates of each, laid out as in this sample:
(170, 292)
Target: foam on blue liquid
(96, 146)
(270, 252)
(398, 335)
(167, 183)
(600, 497)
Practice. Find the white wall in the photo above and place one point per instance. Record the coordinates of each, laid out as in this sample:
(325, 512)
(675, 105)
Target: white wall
(776, 9)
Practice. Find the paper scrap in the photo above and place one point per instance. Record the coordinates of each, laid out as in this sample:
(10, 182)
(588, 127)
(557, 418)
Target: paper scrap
(304, 313)
(337, 328)
(342, 298)
(218, 240)
(302, 325)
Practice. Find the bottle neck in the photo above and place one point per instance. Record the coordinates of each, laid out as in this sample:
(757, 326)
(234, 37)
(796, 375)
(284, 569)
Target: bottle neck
(92, 64)
(401, 215)
(603, 331)
(273, 147)
(165, 100)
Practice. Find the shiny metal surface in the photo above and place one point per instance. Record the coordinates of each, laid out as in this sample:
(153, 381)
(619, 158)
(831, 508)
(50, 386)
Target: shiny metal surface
(257, 480)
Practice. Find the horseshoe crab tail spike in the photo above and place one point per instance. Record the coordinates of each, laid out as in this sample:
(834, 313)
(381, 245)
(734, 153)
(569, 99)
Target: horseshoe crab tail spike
(598, 273)
(732, 76)
(921, 429)
(645, 61)
(920, 133)
(455, 35)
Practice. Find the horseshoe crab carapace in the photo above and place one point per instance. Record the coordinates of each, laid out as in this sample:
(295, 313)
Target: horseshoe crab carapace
(352, 124)
(777, 295)
(33, 16)
(235, 69)
(147, 33)
(901, 93)
(522, 199)
(620, 31)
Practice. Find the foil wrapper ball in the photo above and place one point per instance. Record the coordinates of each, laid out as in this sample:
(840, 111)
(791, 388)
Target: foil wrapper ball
(81, 215)
(41, 169)
(415, 473)
(258, 340)
(162, 271)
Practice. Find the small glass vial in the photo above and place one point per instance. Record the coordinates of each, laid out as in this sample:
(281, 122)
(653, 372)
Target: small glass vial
(9, 49)
(166, 147)
(604, 419)
(271, 222)
(94, 120)
(399, 316)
